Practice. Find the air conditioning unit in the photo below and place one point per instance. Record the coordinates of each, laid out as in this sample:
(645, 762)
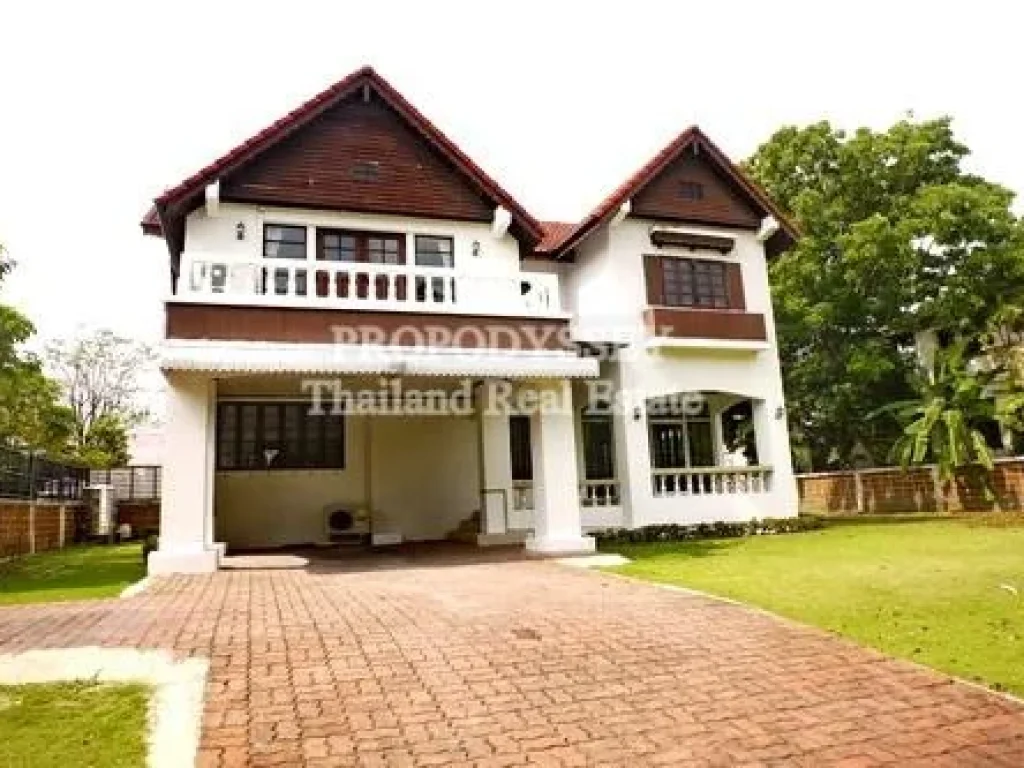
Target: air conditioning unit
(347, 523)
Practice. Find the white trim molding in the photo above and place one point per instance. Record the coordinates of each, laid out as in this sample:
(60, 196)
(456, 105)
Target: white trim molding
(272, 357)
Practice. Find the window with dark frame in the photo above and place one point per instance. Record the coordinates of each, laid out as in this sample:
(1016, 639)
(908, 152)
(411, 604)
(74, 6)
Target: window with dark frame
(519, 447)
(681, 442)
(691, 190)
(278, 435)
(335, 245)
(433, 251)
(694, 283)
(370, 247)
(284, 241)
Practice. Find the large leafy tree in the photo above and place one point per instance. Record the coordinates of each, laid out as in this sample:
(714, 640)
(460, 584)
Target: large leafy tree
(898, 239)
(31, 414)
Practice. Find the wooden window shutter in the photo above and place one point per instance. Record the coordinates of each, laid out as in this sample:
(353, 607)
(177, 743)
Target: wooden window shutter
(655, 279)
(734, 286)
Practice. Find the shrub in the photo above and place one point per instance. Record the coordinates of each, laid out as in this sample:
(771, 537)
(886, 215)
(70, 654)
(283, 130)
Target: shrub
(150, 544)
(718, 530)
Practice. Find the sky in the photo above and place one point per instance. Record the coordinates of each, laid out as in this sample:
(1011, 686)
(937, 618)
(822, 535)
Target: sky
(103, 105)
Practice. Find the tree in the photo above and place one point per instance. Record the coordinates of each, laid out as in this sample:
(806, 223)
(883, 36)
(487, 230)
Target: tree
(30, 411)
(107, 444)
(99, 375)
(956, 400)
(897, 239)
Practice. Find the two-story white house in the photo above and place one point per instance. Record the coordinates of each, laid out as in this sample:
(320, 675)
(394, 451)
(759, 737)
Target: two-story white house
(369, 340)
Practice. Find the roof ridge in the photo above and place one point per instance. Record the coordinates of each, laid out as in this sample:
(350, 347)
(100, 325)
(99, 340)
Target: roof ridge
(645, 173)
(313, 107)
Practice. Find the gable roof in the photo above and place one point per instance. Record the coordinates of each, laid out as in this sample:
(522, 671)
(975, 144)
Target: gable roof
(691, 138)
(554, 233)
(173, 202)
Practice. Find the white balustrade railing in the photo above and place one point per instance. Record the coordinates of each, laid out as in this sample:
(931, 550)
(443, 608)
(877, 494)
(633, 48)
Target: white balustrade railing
(361, 285)
(521, 495)
(599, 493)
(711, 481)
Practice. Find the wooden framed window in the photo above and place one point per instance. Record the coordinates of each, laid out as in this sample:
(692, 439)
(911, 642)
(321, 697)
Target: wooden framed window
(385, 249)
(370, 247)
(284, 241)
(693, 283)
(519, 447)
(691, 190)
(278, 435)
(696, 283)
(598, 455)
(434, 251)
(681, 441)
(335, 245)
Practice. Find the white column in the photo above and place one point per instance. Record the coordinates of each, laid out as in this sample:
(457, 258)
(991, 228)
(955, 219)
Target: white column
(772, 437)
(634, 445)
(186, 507)
(495, 460)
(557, 526)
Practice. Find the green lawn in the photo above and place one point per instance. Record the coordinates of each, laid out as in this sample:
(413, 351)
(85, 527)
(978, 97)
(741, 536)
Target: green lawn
(946, 593)
(73, 724)
(77, 573)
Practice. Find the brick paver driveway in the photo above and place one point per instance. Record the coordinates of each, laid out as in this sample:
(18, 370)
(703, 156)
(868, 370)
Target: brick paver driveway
(442, 662)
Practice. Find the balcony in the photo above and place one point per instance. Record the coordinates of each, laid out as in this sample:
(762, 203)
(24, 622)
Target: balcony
(296, 284)
(705, 328)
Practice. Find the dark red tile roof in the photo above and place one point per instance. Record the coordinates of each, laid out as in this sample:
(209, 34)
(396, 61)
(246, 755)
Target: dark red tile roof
(554, 238)
(692, 135)
(151, 222)
(554, 233)
(300, 116)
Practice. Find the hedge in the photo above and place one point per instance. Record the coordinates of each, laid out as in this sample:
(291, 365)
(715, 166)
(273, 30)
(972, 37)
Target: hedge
(720, 530)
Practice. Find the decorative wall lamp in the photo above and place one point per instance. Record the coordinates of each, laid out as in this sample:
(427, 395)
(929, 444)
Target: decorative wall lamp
(240, 230)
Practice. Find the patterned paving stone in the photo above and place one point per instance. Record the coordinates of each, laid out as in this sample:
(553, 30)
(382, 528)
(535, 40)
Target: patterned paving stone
(447, 660)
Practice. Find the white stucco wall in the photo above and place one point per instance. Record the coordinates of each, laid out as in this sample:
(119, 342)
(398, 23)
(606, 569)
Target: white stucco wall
(424, 472)
(606, 288)
(426, 476)
(217, 235)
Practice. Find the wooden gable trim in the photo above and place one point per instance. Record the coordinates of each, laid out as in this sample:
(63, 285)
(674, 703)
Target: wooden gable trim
(692, 240)
(179, 200)
(687, 140)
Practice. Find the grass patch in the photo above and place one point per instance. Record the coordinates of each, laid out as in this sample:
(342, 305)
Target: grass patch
(73, 724)
(949, 593)
(77, 573)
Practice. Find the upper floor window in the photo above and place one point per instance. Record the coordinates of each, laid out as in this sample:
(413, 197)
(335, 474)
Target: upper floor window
(691, 190)
(694, 283)
(282, 241)
(434, 251)
(372, 247)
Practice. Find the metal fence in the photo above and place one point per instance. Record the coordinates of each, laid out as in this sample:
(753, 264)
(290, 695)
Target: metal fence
(24, 475)
(130, 483)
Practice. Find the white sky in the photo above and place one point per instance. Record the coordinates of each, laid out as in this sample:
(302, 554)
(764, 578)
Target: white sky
(103, 105)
